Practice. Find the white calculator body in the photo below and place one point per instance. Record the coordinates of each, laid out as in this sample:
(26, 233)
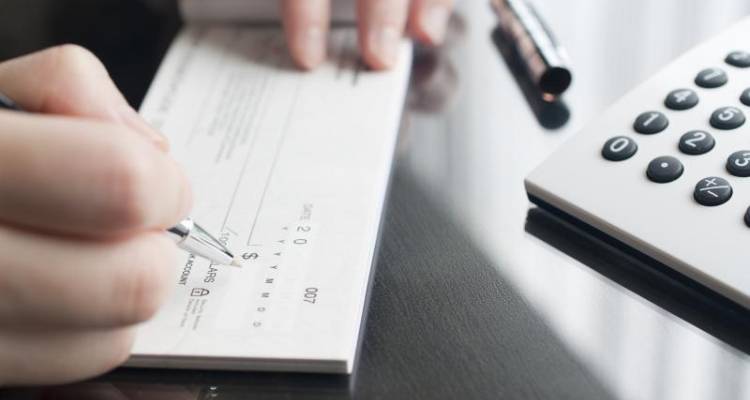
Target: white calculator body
(666, 170)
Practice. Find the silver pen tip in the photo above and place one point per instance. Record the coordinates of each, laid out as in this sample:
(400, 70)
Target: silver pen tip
(236, 262)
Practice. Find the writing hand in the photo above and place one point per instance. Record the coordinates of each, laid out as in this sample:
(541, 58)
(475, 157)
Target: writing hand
(86, 188)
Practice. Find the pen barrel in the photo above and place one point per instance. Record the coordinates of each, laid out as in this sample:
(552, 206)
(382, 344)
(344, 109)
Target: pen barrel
(192, 238)
(180, 232)
(544, 59)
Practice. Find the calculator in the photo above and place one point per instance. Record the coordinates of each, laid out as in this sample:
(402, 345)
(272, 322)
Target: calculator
(666, 170)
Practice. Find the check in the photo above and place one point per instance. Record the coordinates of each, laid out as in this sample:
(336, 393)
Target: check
(291, 170)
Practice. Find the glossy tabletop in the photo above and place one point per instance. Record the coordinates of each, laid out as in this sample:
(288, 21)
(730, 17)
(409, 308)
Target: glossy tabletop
(473, 157)
(476, 293)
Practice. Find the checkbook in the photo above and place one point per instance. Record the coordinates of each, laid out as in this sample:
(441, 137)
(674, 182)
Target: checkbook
(290, 169)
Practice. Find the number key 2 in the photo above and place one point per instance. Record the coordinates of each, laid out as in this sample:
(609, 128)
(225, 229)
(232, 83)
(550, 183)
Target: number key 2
(696, 142)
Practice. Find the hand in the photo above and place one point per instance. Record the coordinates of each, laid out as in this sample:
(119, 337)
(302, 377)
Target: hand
(85, 193)
(382, 23)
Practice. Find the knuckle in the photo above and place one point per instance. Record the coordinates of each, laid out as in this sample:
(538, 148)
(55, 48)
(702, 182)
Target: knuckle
(67, 67)
(128, 178)
(73, 56)
(144, 281)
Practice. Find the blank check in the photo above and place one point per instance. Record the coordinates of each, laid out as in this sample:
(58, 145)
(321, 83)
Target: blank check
(290, 169)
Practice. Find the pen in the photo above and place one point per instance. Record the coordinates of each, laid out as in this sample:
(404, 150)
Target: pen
(187, 234)
(543, 57)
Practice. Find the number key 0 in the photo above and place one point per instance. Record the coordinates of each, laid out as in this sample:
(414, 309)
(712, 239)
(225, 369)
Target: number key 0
(619, 148)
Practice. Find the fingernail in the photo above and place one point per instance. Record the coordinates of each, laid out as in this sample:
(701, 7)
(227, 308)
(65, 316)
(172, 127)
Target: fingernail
(434, 22)
(311, 47)
(384, 44)
(134, 120)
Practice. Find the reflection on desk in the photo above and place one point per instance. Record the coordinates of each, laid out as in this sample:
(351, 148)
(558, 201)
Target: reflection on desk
(657, 283)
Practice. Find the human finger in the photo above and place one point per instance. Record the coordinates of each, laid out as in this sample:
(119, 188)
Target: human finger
(381, 28)
(306, 25)
(52, 282)
(70, 80)
(56, 357)
(85, 177)
(428, 20)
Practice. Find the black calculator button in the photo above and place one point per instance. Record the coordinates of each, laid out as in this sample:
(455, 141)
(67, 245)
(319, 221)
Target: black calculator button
(712, 191)
(739, 59)
(738, 163)
(745, 97)
(696, 142)
(650, 122)
(711, 78)
(727, 118)
(681, 99)
(664, 169)
(619, 148)
(747, 217)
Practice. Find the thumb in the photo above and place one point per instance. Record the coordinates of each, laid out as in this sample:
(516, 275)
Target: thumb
(70, 80)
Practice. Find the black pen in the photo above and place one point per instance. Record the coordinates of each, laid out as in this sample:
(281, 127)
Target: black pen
(187, 234)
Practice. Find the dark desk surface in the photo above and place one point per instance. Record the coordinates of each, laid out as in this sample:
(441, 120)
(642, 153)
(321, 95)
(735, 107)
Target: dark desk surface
(474, 296)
